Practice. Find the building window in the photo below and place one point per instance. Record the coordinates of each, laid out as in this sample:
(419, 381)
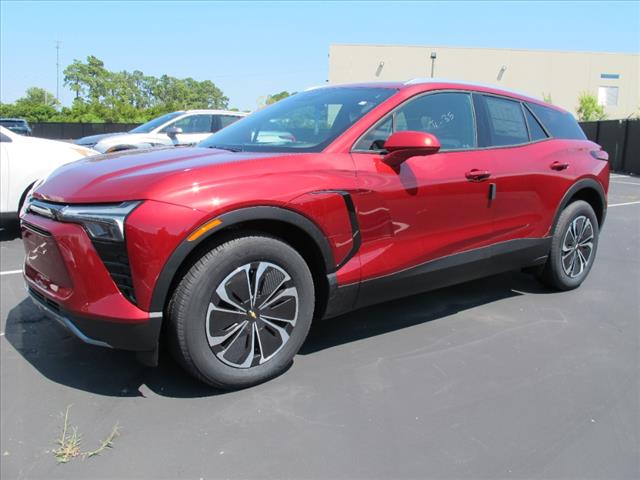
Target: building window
(610, 76)
(608, 96)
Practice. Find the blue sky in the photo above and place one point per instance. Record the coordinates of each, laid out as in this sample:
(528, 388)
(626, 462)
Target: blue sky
(250, 49)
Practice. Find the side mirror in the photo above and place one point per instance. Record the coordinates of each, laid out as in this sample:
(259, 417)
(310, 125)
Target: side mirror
(173, 131)
(401, 146)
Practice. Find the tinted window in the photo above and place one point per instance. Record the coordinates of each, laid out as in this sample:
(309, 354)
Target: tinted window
(5, 138)
(155, 123)
(449, 116)
(226, 120)
(193, 124)
(505, 121)
(536, 132)
(558, 124)
(305, 122)
(13, 123)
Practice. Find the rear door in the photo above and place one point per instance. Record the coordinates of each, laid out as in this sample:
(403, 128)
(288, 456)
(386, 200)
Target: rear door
(517, 203)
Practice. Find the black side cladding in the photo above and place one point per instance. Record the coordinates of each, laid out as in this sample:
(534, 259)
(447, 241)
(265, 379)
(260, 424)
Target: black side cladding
(115, 258)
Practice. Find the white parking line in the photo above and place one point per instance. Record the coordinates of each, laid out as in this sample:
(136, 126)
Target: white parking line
(625, 183)
(626, 203)
(10, 272)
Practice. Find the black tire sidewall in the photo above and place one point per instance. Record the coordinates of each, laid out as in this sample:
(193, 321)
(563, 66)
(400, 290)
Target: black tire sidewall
(558, 276)
(232, 255)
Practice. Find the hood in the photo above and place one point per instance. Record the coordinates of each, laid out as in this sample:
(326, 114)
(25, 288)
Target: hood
(93, 139)
(159, 174)
(134, 140)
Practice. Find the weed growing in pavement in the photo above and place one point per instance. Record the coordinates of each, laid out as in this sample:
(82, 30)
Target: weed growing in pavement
(70, 439)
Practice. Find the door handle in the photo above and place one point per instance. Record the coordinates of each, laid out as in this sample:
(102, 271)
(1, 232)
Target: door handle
(476, 175)
(559, 166)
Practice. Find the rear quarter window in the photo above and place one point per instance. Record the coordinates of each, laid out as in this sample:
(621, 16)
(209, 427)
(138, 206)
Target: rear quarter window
(558, 124)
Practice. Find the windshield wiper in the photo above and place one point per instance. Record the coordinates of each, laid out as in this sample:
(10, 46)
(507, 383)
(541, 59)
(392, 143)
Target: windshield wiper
(229, 149)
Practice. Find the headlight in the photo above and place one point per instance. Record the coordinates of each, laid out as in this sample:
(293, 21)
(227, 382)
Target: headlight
(102, 222)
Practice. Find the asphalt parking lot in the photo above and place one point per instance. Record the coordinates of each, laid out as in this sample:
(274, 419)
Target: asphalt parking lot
(494, 378)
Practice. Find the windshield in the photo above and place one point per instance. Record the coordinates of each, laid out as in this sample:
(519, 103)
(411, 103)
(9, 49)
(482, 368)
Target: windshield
(305, 122)
(156, 122)
(13, 123)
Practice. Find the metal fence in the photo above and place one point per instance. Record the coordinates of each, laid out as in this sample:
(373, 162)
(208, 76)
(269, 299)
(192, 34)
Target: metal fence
(73, 131)
(621, 140)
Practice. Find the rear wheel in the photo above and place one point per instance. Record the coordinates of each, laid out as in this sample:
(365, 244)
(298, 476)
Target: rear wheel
(573, 247)
(242, 312)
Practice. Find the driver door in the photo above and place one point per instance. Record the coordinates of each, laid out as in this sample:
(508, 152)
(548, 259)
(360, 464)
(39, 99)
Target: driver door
(195, 128)
(434, 209)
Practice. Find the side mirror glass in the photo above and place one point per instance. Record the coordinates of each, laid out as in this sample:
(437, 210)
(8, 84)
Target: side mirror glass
(173, 131)
(401, 146)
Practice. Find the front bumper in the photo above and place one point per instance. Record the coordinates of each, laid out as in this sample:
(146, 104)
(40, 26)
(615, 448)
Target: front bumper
(138, 337)
(69, 282)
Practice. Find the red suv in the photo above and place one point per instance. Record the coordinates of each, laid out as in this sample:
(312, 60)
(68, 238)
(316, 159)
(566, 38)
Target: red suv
(333, 199)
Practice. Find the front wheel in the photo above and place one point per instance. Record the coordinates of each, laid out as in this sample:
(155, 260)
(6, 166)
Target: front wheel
(242, 312)
(573, 247)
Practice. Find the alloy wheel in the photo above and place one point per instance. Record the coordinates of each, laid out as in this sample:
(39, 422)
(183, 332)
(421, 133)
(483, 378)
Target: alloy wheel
(577, 246)
(251, 314)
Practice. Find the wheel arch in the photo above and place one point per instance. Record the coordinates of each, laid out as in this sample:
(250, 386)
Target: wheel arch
(121, 148)
(590, 191)
(23, 195)
(291, 227)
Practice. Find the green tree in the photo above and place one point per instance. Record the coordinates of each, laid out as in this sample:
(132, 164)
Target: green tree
(276, 97)
(102, 95)
(37, 105)
(38, 96)
(588, 108)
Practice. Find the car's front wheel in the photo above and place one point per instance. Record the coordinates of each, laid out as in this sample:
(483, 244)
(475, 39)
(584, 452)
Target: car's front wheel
(573, 247)
(242, 311)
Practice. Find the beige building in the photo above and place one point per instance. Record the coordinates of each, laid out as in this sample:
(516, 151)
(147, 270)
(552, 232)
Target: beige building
(561, 76)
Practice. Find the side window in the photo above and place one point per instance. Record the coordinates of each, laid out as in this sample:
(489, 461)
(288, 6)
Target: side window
(449, 116)
(193, 124)
(226, 120)
(5, 138)
(559, 124)
(505, 122)
(536, 132)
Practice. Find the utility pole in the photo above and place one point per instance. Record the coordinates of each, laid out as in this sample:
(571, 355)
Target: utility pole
(58, 70)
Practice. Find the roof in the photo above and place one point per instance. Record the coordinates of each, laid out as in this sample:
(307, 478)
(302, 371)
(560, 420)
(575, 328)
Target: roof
(217, 112)
(423, 80)
(442, 83)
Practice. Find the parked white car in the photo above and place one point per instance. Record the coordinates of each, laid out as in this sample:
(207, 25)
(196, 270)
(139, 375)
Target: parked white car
(25, 160)
(176, 128)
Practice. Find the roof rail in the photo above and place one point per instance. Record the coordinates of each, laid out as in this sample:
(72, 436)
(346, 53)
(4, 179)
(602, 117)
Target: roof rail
(419, 80)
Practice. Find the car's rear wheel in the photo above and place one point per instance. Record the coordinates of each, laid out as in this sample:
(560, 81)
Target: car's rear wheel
(573, 247)
(242, 311)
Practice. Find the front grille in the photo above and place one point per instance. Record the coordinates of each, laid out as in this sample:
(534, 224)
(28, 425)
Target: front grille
(115, 258)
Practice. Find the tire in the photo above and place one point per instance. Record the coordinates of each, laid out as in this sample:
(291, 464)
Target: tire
(568, 265)
(213, 323)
